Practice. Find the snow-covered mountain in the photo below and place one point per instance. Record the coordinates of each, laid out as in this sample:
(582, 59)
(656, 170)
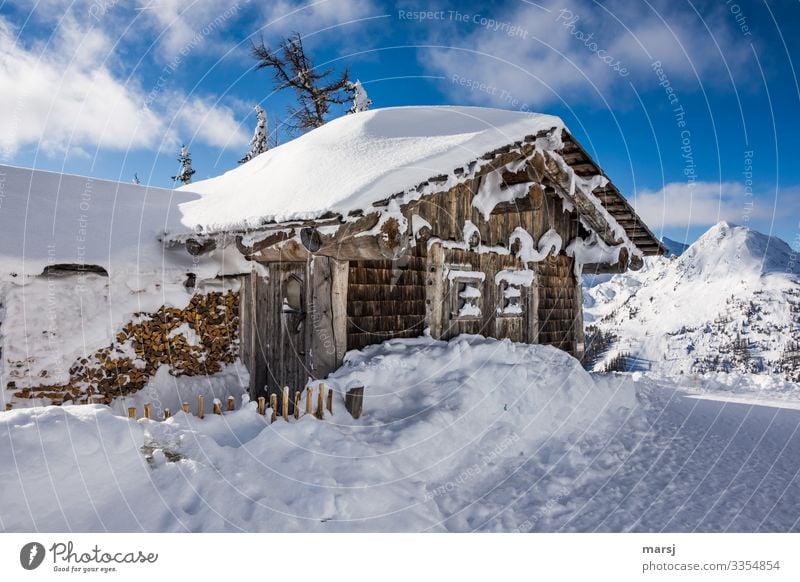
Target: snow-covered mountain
(730, 303)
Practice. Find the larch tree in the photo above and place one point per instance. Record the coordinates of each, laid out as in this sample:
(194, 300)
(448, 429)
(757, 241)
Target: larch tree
(315, 91)
(259, 143)
(186, 172)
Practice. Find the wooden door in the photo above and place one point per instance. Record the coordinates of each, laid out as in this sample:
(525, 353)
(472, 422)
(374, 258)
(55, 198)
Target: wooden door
(286, 317)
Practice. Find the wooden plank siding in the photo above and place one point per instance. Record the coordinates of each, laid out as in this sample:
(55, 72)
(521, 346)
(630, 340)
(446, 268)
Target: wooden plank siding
(557, 304)
(386, 299)
(552, 312)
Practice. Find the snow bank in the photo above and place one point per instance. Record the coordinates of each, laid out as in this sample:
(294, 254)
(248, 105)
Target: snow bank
(48, 218)
(444, 424)
(355, 160)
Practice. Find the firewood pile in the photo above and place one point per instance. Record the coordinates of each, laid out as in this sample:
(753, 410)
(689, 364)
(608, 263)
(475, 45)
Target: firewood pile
(197, 340)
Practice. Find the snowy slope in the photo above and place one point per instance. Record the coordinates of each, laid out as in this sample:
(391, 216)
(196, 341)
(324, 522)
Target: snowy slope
(468, 435)
(730, 302)
(442, 421)
(355, 160)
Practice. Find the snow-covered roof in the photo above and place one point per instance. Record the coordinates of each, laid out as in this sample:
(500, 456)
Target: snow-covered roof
(47, 218)
(354, 161)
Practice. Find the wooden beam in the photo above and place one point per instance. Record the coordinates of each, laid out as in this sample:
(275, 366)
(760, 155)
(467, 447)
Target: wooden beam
(586, 207)
(354, 242)
(266, 242)
(199, 246)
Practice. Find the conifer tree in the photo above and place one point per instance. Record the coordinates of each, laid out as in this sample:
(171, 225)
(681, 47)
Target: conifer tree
(258, 144)
(361, 101)
(186, 173)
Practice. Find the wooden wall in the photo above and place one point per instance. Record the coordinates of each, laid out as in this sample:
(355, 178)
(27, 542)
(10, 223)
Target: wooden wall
(557, 304)
(552, 310)
(386, 299)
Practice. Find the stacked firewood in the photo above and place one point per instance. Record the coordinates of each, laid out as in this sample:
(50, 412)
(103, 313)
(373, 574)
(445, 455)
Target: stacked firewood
(197, 340)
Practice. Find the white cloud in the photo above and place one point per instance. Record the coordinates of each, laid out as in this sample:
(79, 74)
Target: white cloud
(65, 96)
(309, 16)
(679, 204)
(576, 51)
(199, 24)
(211, 123)
(56, 97)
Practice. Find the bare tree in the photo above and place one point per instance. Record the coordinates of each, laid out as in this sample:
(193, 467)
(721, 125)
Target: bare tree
(292, 68)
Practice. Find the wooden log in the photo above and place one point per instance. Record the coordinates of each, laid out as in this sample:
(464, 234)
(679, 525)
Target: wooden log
(289, 251)
(273, 404)
(354, 401)
(351, 243)
(309, 405)
(185, 407)
(285, 403)
(167, 413)
(330, 401)
(231, 403)
(320, 399)
(217, 406)
(262, 405)
(297, 396)
(196, 247)
(148, 411)
(200, 411)
(265, 243)
(132, 412)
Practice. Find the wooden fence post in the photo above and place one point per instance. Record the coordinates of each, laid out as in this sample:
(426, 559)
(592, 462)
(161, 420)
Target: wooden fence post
(167, 413)
(330, 400)
(217, 406)
(309, 405)
(273, 404)
(132, 412)
(320, 400)
(200, 411)
(262, 405)
(354, 401)
(297, 404)
(231, 403)
(285, 403)
(148, 411)
(185, 407)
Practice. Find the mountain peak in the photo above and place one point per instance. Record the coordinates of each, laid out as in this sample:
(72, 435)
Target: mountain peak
(728, 249)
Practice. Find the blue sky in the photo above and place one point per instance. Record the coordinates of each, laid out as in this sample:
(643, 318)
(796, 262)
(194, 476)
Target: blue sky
(690, 107)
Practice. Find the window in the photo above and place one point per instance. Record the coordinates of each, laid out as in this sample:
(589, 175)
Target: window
(466, 297)
(293, 295)
(510, 284)
(510, 299)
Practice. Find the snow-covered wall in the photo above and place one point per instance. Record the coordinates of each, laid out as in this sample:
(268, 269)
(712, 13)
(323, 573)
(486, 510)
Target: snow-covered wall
(66, 336)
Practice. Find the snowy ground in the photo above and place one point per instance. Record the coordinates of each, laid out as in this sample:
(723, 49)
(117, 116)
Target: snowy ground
(462, 436)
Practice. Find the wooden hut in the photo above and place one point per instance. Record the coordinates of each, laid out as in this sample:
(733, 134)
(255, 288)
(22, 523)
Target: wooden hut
(467, 241)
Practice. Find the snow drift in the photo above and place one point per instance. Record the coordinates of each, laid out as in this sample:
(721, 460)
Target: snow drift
(445, 424)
